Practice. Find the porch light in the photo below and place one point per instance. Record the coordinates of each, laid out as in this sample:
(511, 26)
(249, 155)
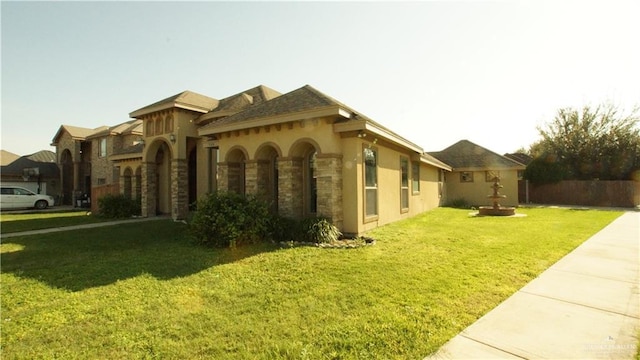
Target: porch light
(172, 138)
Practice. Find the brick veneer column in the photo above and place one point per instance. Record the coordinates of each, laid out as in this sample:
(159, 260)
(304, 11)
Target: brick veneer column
(149, 185)
(329, 185)
(179, 189)
(251, 177)
(223, 176)
(290, 193)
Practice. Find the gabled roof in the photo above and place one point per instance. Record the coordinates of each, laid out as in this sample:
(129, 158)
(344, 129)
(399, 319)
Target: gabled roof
(240, 101)
(466, 155)
(304, 98)
(7, 157)
(188, 100)
(77, 133)
(46, 156)
(304, 103)
(126, 128)
(47, 168)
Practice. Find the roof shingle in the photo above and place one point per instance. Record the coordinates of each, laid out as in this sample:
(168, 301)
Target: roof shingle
(465, 154)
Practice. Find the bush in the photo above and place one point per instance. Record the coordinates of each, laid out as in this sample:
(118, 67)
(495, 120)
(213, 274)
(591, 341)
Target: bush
(226, 219)
(118, 207)
(320, 230)
(285, 229)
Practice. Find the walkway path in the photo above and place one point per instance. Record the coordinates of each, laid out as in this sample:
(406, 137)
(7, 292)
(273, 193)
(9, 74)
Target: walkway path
(83, 226)
(586, 306)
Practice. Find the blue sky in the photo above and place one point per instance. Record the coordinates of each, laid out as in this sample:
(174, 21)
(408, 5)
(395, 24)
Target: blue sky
(433, 72)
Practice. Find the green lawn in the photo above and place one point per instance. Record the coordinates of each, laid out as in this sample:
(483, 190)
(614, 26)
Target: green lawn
(144, 291)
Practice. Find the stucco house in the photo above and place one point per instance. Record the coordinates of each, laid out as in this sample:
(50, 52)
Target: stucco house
(473, 170)
(303, 151)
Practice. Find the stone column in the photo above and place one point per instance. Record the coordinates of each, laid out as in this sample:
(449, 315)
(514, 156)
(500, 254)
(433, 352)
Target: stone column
(179, 189)
(76, 182)
(251, 177)
(223, 176)
(149, 189)
(290, 188)
(329, 184)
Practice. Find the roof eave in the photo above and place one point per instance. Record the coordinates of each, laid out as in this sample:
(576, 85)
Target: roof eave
(213, 129)
(121, 157)
(374, 128)
(437, 164)
(166, 106)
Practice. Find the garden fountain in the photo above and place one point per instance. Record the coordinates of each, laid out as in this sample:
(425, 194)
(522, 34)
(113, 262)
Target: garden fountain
(497, 209)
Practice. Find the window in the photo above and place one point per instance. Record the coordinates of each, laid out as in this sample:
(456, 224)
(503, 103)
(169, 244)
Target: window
(404, 183)
(466, 176)
(415, 177)
(102, 181)
(103, 147)
(370, 182)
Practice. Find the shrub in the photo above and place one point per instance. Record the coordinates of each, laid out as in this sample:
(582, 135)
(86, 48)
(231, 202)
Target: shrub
(321, 230)
(285, 229)
(226, 219)
(118, 206)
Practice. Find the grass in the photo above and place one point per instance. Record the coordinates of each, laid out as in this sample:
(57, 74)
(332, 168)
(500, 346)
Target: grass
(11, 223)
(144, 291)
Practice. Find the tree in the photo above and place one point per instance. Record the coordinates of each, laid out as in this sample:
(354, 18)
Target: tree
(595, 143)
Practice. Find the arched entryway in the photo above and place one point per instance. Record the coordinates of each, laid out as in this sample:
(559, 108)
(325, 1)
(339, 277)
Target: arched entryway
(304, 177)
(127, 189)
(267, 174)
(162, 176)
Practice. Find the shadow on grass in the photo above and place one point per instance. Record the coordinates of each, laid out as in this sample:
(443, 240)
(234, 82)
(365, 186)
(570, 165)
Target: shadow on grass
(81, 259)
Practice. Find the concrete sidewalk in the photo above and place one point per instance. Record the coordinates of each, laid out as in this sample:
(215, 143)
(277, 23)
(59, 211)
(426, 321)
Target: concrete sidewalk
(586, 306)
(83, 226)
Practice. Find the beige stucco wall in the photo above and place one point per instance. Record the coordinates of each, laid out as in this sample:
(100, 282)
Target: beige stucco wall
(389, 192)
(475, 193)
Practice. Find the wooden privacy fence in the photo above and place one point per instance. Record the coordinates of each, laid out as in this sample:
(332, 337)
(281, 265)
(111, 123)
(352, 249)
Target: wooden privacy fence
(582, 192)
(99, 191)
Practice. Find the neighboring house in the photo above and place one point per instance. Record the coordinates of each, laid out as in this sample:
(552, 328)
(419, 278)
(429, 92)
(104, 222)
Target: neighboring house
(7, 157)
(37, 172)
(83, 156)
(474, 168)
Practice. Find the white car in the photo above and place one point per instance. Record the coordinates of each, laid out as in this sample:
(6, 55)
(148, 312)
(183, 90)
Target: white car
(15, 197)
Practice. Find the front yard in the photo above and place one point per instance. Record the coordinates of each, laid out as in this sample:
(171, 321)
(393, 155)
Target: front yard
(144, 291)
